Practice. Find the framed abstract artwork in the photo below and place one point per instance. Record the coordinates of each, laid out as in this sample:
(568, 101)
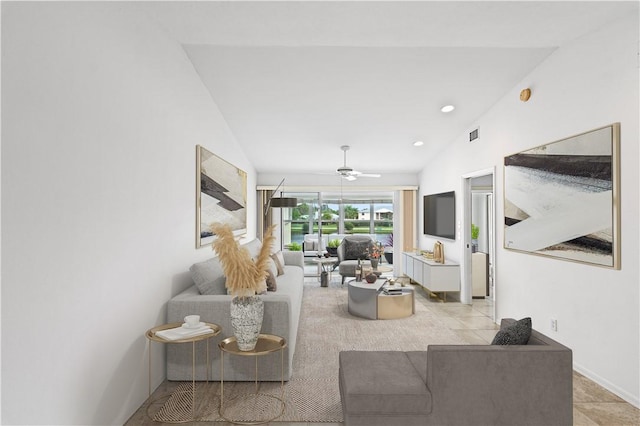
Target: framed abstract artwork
(562, 199)
(221, 196)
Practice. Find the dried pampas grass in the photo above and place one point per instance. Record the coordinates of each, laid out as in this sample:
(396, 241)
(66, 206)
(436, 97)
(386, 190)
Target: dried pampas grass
(244, 276)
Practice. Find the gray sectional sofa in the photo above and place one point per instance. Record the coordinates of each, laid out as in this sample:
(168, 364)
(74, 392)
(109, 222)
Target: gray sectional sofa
(460, 385)
(206, 296)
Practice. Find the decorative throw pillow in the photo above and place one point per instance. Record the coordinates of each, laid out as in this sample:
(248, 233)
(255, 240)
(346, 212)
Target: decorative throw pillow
(213, 287)
(516, 334)
(272, 285)
(272, 272)
(209, 277)
(278, 257)
(356, 249)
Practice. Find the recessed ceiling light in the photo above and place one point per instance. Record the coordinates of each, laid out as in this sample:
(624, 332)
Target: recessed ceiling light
(418, 143)
(447, 108)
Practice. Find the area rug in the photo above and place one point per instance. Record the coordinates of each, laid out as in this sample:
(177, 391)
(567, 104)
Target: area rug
(326, 328)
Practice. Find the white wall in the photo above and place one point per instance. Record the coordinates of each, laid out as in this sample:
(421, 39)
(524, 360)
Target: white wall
(334, 180)
(589, 84)
(101, 112)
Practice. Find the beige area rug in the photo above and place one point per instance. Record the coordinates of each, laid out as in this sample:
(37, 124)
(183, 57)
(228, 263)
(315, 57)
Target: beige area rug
(326, 328)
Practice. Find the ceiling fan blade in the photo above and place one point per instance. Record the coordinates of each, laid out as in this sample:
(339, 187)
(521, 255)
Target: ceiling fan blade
(348, 173)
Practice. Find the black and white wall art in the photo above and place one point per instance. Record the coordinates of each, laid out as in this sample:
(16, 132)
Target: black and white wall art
(221, 196)
(562, 199)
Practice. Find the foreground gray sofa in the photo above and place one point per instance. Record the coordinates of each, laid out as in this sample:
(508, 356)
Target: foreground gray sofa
(460, 385)
(281, 317)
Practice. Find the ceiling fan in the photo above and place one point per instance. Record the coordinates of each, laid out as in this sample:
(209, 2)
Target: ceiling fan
(347, 172)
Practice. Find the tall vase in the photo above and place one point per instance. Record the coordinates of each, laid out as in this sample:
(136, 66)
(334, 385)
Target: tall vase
(374, 263)
(246, 320)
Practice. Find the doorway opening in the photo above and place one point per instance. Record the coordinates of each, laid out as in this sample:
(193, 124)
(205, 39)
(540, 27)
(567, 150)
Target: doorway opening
(479, 239)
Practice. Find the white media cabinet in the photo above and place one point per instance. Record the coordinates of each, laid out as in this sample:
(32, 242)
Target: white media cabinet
(434, 276)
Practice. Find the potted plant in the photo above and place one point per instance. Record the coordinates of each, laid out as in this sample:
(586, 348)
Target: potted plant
(374, 252)
(332, 247)
(245, 279)
(294, 247)
(475, 232)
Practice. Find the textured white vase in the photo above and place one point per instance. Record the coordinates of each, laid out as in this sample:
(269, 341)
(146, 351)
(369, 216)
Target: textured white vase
(246, 320)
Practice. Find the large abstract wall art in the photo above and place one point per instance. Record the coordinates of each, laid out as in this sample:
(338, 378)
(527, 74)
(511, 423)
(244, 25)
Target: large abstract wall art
(221, 196)
(562, 199)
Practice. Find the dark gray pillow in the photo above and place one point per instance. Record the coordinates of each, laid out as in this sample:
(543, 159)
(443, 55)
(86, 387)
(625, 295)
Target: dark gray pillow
(356, 249)
(209, 277)
(516, 334)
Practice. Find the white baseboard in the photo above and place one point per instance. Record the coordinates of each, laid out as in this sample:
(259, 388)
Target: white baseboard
(631, 399)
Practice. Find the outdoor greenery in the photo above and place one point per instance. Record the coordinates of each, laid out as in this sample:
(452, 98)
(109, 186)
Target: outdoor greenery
(350, 212)
(329, 217)
(352, 227)
(304, 210)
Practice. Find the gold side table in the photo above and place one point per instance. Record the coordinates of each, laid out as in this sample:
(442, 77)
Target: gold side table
(267, 343)
(153, 337)
(394, 306)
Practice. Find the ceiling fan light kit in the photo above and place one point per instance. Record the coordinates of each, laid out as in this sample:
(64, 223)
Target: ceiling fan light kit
(347, 172)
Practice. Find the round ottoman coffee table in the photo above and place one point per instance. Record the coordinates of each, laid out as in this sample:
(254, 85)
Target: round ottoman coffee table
(363, 298)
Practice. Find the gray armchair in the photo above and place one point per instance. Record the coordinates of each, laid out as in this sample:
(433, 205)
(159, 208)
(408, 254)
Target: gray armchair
(352, 248)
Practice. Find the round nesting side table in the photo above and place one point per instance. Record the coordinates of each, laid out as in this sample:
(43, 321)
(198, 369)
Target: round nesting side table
(182, 416)
(399, 305)
(325, 264)
(267, 343)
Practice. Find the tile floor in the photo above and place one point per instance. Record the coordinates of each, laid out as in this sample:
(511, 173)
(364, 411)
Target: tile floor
(592, 404)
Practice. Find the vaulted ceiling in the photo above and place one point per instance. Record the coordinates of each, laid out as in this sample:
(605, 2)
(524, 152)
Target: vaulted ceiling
(296, 80)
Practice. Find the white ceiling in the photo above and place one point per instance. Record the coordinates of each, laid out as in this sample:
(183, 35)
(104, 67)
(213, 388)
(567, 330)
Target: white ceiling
(296, 80)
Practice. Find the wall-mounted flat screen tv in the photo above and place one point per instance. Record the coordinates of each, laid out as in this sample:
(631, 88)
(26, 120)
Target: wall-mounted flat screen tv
(440, 215)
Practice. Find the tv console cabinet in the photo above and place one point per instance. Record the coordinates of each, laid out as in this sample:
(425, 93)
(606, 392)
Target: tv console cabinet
(435, 277)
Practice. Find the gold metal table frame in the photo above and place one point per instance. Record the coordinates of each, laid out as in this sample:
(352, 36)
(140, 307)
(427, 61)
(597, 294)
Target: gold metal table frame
(153, 337)
(267, 343)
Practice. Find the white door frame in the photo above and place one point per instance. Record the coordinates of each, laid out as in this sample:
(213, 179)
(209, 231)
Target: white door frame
(466, 285)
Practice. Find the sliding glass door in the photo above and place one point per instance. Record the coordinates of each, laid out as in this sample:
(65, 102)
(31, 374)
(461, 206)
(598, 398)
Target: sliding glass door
(302, 222)
(330, 214)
